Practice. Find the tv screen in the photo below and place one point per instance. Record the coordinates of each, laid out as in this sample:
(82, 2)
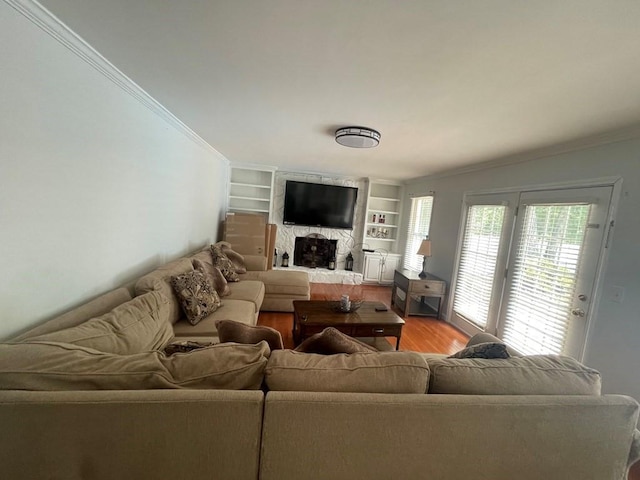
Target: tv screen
(317, 205)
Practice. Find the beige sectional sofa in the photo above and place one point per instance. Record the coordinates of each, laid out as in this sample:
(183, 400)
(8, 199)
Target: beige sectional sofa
(203, 414)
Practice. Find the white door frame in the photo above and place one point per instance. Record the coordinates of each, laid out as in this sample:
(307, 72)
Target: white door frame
(615, 182)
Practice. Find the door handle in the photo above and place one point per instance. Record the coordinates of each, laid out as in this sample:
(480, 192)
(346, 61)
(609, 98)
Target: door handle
(577, 312)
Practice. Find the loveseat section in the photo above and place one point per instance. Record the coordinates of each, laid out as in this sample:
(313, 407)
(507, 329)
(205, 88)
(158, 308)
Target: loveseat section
(453, 437)
(103, 435)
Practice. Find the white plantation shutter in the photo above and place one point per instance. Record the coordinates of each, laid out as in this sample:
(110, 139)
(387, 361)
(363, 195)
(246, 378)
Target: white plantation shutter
(418, 230)
(544, 277)
(478, 260)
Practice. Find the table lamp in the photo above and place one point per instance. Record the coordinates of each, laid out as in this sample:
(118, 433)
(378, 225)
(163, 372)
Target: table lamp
(425, 251)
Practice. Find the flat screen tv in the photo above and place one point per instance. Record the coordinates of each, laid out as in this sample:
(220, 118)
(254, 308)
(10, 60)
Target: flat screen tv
(317, 205)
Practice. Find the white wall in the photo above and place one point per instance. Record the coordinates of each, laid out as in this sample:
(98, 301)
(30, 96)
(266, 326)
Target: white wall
(348, 240)
(95, 188)
(614, 342)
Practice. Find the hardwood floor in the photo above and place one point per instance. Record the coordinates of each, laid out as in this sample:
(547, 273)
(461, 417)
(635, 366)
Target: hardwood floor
(420, 334)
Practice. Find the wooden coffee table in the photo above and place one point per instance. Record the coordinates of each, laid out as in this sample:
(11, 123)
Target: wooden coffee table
(313, 316)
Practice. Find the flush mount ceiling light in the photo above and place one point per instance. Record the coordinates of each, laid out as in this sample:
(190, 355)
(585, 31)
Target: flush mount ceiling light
(357, 137)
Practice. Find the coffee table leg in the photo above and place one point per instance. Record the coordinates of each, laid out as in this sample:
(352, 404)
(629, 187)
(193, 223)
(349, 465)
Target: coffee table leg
(398, 341)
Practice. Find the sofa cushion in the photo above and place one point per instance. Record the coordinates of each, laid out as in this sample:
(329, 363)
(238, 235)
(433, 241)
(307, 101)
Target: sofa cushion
(225, 265)
(232, 331)
(136, 326)
(331, 341)
(203, 262)
(238, 310)
(530, 375)
(196, 294)
(160, 279)
(62, 366)
(249, 290)
(281, 282)
(483, 350)
(93, 308)
(382, 372)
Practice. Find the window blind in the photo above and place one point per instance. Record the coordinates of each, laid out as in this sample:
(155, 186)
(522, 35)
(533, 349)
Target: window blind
(419, 223)
(478, 260)
(544, 278)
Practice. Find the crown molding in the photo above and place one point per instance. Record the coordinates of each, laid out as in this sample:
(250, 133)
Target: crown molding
(53, 26)
(605, 138)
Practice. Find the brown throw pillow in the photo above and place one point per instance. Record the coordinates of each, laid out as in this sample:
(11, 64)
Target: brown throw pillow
(331, 341)
(232, 331)
(483, 350)
(235, 257)
(214, 275)
(225, 265)
(197, 296)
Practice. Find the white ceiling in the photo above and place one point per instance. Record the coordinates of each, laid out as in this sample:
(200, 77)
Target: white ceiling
(447, 83)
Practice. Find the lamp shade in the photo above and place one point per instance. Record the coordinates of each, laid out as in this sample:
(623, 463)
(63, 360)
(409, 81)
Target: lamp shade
(425, 248)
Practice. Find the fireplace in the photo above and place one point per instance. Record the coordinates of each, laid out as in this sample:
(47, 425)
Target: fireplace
(314, 251)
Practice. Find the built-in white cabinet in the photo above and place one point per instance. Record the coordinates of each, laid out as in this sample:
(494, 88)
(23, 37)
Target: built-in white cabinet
(379, 267)
(382, 223)
(250, 190)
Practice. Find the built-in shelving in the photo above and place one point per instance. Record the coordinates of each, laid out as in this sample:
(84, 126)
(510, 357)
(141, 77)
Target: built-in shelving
(384, 204)
(250, 190)
(384, 207)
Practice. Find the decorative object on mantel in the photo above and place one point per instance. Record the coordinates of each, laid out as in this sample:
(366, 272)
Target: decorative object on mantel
(285, 259)
(348, 263)
(358, 137)
(425, 251)
(332, 263)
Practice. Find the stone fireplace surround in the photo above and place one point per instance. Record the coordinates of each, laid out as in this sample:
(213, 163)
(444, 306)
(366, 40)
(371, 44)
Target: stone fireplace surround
(314, 251)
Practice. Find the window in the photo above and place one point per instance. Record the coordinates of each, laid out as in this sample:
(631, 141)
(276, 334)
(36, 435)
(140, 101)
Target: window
(419, 223)
(478, 262)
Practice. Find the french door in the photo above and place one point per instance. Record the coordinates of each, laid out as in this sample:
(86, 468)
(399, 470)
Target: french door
(545, 270)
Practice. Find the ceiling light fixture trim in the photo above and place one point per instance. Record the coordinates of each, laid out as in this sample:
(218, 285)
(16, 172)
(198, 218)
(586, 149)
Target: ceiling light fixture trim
(358, 137)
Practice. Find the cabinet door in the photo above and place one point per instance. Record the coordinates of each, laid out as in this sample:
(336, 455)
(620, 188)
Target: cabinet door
(372, 266)
(388, 269)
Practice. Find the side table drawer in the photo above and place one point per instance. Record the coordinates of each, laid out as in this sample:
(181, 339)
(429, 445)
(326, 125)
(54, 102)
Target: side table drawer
(380, 331)
(427, 287)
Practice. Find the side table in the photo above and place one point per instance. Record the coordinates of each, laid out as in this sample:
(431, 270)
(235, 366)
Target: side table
(417, 291)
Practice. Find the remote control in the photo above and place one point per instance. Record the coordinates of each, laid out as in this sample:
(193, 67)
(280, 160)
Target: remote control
(381, 308)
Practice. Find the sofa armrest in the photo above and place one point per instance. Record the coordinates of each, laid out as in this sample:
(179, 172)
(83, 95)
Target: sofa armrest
(255, 262)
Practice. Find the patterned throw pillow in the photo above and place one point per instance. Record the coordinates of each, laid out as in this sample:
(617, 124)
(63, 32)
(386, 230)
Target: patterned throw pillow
(331, 341)
(184, 347)
(197, 296)
(225, 265)
(483, 350)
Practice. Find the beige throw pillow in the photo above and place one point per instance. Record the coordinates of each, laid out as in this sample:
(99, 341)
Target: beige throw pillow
(214, 275)
(136, 326)
(62, 366)
(235, 257)
(197, 296)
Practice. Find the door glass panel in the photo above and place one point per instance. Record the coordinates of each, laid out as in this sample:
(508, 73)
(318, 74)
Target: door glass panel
(544, 276)
(478, 260)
